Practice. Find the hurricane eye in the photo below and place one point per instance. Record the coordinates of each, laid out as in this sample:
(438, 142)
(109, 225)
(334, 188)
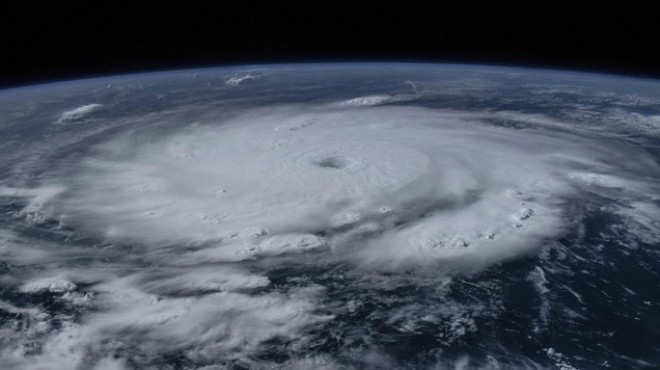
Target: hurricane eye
(332, 162)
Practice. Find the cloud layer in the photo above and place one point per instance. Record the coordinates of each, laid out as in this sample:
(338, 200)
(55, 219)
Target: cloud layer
(383, 186)
(194, 222)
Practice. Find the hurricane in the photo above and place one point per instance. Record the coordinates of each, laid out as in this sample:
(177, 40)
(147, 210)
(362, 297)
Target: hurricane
(360, 216)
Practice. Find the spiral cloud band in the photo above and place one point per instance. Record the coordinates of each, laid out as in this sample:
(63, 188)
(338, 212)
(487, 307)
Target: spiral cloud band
(382, 186)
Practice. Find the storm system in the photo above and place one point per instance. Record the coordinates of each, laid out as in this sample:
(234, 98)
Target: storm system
(412, 223)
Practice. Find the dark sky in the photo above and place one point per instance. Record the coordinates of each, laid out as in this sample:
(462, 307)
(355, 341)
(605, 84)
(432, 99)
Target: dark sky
(54, 42)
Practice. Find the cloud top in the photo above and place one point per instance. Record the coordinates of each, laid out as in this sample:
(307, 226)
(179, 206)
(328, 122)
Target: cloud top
(383, 185)
(79, 113)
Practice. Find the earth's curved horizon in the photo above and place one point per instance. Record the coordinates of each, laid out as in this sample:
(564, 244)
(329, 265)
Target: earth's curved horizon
(331, 216)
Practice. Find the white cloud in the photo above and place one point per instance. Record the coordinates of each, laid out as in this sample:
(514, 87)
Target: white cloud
(374, 100)
(56, 284)
(237, 80)
(158, 311)
(367, 101)
(79, 113)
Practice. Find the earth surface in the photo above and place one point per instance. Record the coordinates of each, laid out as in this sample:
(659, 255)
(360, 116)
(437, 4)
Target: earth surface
(331, 216)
